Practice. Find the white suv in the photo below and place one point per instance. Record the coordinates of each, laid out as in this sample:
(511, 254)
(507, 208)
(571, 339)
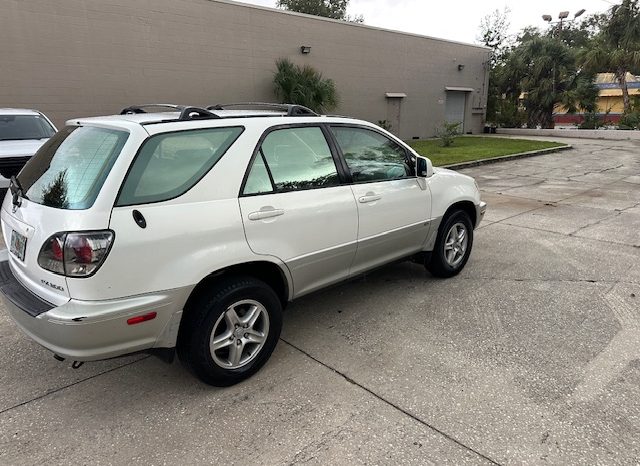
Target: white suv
(191, 229)
(22, 132)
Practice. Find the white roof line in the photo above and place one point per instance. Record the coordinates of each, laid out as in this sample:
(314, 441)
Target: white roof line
(346, 23)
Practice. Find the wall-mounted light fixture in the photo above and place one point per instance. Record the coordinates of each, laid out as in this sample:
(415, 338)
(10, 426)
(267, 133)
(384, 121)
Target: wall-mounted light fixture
(460, 67)
(305, 49)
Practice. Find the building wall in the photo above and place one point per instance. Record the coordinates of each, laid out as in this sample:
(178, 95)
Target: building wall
(71, 58)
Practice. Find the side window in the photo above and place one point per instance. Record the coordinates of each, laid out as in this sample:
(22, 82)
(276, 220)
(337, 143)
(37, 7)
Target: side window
(296, 159)
(258, 181)
(170, 164)
(371, 156)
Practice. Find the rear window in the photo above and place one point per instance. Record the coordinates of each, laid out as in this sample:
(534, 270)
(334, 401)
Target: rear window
(23, 127)
(69, 169)
(170, 164)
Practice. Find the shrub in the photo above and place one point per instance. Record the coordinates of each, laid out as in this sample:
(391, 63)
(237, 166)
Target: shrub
(304, 86)
(509, 115)
(447, 132)
(629, 121)
(591, 121)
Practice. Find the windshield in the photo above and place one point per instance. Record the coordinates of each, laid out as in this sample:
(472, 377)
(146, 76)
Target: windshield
(21, 127)
(70, 168)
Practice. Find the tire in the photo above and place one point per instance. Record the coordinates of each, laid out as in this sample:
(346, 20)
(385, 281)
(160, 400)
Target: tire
(209, 321)
(442, 261)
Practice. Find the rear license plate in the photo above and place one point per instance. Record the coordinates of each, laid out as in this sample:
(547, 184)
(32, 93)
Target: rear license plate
(18, 245)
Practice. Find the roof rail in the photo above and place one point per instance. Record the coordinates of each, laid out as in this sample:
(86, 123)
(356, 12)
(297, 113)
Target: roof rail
(186, 112)
(289, 109)
(141, 108)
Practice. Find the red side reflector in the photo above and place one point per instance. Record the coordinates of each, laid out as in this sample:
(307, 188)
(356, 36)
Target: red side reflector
(142, 318)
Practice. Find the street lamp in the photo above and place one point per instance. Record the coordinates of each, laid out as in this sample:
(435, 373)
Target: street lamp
(562, 17)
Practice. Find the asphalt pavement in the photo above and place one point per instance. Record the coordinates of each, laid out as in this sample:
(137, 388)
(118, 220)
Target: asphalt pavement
(531, 355)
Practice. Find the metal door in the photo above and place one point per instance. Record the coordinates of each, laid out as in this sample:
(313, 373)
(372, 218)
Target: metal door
(454, 108)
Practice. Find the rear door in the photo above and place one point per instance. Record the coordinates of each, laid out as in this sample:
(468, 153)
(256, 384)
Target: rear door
(296, 207)
(393, 208)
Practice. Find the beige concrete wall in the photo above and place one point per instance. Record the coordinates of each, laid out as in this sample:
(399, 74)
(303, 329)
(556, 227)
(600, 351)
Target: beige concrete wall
(71, 58)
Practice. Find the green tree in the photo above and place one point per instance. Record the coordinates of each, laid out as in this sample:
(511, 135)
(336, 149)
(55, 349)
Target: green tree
(616, 48)
(336, 9)
(545, 71)
(304, 86)
(494, 34)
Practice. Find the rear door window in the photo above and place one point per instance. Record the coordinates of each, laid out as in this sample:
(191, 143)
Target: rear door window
(170, 164)
(69, 170)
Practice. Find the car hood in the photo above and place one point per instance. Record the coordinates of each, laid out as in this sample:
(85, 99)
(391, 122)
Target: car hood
(446, 170)
(21, 148)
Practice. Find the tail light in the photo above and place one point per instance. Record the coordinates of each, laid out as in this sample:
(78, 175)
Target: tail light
(75, 254)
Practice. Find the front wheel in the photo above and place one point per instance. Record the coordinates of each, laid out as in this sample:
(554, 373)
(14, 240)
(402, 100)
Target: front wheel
(230, 331)
(453, 246)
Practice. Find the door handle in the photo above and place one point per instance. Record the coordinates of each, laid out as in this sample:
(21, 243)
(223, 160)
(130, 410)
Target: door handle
(265, 212)
(370, 197)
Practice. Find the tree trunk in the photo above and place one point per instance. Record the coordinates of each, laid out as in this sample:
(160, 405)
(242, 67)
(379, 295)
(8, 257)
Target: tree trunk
(622, 79)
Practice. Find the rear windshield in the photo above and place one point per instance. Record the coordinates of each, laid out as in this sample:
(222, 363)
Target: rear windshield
(69, 169)
(23, 127)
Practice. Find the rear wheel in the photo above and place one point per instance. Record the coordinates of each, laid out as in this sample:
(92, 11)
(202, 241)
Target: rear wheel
(453, 245)
(230, 331)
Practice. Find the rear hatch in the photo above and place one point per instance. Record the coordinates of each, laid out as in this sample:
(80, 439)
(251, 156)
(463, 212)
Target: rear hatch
(56, 192)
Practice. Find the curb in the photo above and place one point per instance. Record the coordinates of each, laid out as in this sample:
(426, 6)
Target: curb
(503, 158)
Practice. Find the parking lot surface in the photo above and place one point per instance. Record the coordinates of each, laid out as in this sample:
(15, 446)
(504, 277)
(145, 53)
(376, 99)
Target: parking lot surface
(530, 355)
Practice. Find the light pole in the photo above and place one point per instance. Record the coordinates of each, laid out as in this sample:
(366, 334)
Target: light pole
(562, 18)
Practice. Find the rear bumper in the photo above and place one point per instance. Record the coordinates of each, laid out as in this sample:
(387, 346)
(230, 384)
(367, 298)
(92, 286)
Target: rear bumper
(94, 330)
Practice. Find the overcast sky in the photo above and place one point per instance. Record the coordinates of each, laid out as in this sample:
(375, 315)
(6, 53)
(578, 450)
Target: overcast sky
(457, 20)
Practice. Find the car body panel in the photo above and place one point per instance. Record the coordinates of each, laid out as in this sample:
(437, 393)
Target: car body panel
(329, 215)
(449, 187)
(393, 225)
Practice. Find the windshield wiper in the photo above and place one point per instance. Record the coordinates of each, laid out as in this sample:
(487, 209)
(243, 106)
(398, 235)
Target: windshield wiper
(16, 191)
(23, 139)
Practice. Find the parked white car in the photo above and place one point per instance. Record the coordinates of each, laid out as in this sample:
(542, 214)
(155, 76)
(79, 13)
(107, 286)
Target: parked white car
(22, 132)
(192, 229)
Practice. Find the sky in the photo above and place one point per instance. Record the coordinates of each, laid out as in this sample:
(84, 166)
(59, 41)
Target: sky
(457, 20)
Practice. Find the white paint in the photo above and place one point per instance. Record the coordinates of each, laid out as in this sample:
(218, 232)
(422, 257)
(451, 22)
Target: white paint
(614, 358)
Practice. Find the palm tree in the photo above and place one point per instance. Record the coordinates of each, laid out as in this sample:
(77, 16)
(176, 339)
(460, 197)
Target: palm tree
(616, 48)
(545, 70)
(304, 86)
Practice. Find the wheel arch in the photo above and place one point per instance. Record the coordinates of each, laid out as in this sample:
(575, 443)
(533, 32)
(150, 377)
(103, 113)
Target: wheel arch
(466, 206)
(269, 272)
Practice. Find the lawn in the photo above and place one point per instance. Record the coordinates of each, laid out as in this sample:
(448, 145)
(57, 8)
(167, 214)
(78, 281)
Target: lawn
(467, 148)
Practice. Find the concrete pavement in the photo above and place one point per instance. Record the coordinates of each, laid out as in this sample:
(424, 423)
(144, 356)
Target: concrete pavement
(531, 355)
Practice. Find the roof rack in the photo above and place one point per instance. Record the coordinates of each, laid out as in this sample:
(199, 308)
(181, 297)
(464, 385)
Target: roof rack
(186, 112)
(289, 109)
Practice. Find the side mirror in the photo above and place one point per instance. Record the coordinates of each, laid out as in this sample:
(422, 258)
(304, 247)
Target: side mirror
(424, 168)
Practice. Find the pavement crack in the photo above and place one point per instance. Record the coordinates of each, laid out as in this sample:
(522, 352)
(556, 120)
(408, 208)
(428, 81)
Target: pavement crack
(597, 222)
(617, 243)
(551, 280)
(77, 382)
(392, 404)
